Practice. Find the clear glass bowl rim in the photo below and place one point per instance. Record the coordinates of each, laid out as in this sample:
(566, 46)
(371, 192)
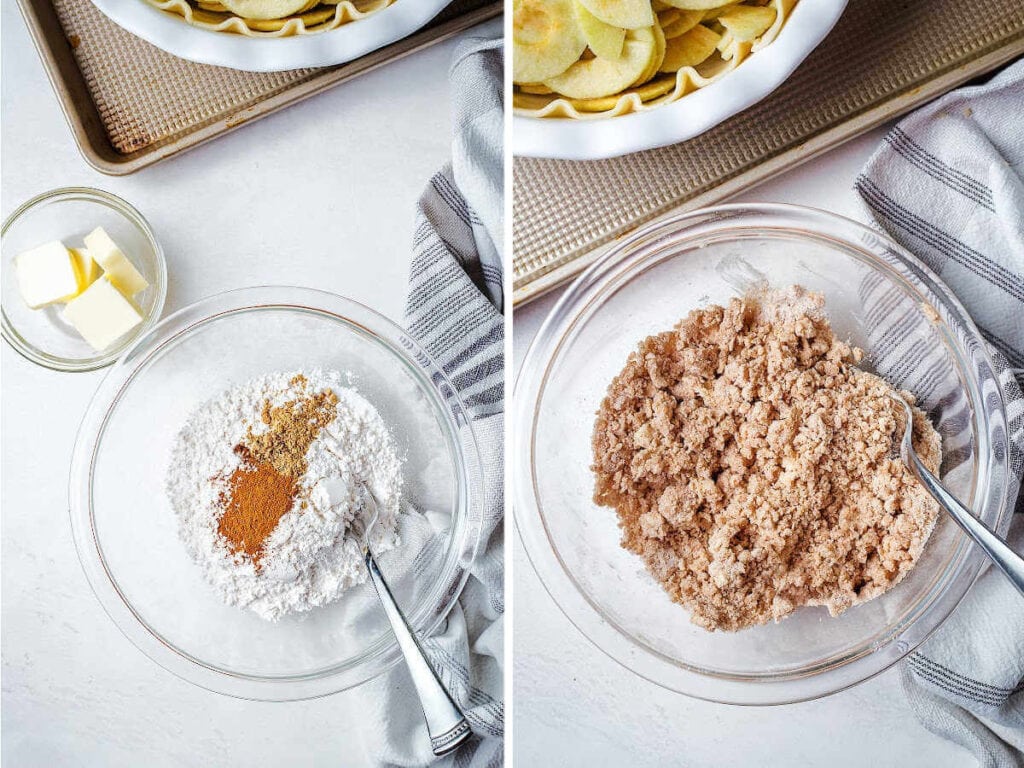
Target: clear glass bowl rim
(606, 274)
(126, 209)
(435, 384)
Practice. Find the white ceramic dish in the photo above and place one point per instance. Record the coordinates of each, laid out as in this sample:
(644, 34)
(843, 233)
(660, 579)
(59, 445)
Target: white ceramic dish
(693, 114)
(173, 34)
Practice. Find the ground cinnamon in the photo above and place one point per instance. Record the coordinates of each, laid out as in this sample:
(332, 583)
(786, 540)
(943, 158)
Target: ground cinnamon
(265, 485)
(258, 497)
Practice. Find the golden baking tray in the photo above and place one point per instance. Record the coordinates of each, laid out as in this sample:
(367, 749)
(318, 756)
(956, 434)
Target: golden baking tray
(130, 105)
(882, 59)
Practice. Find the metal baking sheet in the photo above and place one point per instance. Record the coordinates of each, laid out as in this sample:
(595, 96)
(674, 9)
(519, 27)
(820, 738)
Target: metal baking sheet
(882, 60)
(130, 105)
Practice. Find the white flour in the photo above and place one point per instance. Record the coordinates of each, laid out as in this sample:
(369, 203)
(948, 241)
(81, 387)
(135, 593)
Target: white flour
(306, 561)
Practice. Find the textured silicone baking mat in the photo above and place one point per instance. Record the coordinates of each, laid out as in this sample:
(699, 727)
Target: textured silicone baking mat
(130, 105)
(881, 60)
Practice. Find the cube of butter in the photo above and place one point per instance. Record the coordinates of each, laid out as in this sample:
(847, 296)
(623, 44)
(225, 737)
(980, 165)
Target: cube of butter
(102, 314)
(122, 273)
(87, 271)
(46, 275)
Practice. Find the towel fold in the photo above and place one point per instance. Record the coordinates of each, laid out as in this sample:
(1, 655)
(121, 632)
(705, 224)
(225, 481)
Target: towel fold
(454, 313)
(948, 184)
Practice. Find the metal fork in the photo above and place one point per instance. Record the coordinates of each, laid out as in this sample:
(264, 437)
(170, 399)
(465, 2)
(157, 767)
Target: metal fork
(446, 724)
(997, 550)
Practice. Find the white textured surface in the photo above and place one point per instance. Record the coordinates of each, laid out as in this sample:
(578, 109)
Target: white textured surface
(280, 201)
(574, 706)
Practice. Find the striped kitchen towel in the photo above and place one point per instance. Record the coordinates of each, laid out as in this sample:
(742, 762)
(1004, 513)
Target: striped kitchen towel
(948, 184)
(454, 312)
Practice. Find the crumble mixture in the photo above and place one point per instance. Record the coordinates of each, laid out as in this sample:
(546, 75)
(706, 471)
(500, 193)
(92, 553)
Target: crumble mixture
(754, 467)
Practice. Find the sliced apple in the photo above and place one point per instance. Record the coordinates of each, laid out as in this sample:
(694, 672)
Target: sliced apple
(666, 15)
(747, 22)
(538, 89)
(714, 13)
(646, 92)
(628, 14)
(264, 9)
(657, 57)
(654, 88)
(690, 49)
(309, 19)
(209, 17)
(682, 23)
(603, 39)
(597, 77)
(696, 5)
(546, 39)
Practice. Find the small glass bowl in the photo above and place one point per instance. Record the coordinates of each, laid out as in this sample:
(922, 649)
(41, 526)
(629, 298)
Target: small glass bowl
(645, 286)
(68, 214)
(126, 533)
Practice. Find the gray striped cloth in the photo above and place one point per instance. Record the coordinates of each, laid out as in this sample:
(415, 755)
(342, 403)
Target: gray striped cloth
(454, 312)
(948, 184)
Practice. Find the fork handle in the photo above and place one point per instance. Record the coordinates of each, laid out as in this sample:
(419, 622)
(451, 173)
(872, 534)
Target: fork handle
(446, 724)
(1008, 561)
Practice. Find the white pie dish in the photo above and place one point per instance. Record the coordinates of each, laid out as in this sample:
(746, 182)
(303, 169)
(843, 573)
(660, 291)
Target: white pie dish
(174, 35)
(763, 72)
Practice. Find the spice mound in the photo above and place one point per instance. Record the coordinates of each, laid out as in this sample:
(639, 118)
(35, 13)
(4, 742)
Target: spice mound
(754, 466)
(264, 481)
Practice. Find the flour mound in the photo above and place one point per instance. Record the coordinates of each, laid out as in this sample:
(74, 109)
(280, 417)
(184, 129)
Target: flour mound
(307, 560)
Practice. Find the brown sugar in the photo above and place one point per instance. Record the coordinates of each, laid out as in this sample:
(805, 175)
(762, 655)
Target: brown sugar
(753, 465)
(291, 428)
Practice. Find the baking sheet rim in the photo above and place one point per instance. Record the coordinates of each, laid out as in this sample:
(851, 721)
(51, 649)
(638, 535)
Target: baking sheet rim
(848, 129)
(158, 152)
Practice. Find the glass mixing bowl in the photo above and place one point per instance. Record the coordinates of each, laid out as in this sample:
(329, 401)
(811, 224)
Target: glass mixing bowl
(68, 214)
(879, 297)
(126, 533)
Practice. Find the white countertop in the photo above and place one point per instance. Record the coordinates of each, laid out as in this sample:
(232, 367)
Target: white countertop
(75, 692)
(574, 706)
(281, 201)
